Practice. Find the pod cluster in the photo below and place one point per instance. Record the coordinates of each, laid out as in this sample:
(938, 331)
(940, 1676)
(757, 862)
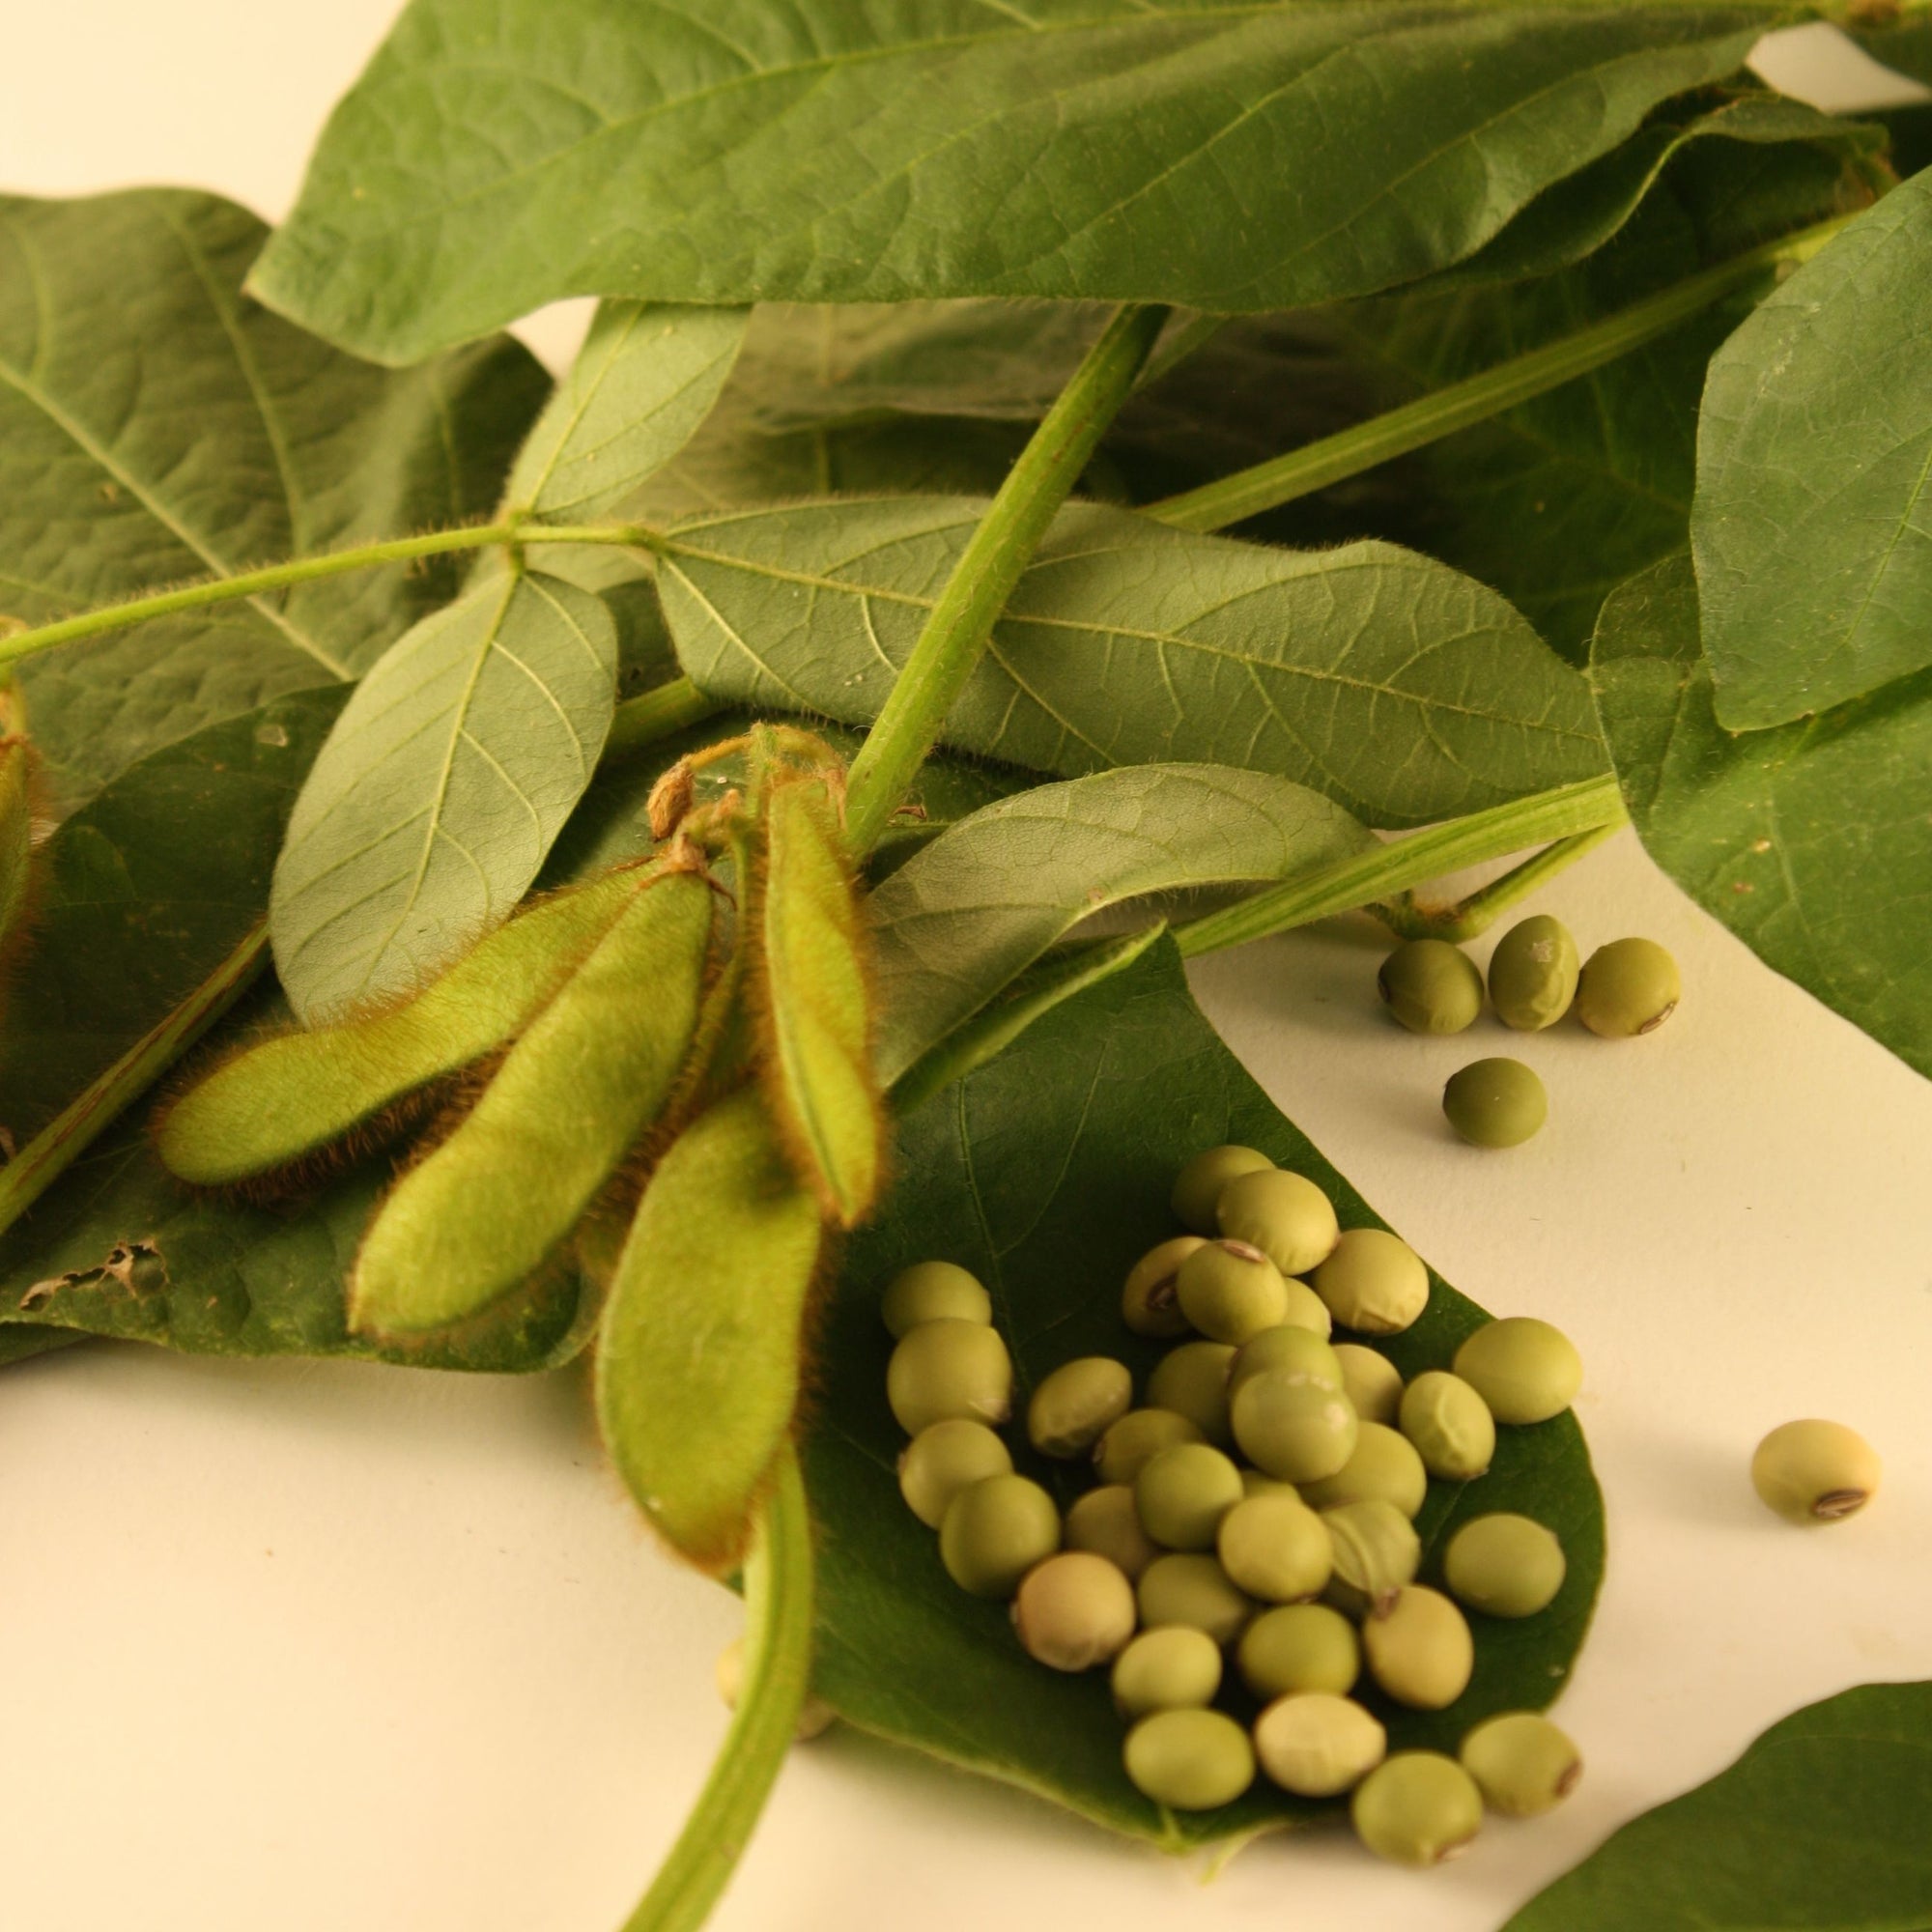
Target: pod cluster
(1245, 1563)
(1629, 988)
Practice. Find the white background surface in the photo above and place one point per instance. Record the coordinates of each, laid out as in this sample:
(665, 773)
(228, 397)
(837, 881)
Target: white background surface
(324, 1646)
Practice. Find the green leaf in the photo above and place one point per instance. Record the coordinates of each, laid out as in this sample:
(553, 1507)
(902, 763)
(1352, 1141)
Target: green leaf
(1379, 678)
(1819, 1827)
(646, 377)
(977, 906)
(1047, 1172)
(1811, 842)
(1812, 525)
(496, 157)
(156, 425)
(446, 780)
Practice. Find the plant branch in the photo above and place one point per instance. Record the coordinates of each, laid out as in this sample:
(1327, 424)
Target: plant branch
(1267, 486)
(1469, 917)
(778, 1661)
(658, 713)
(961, 621)
(1411, 860)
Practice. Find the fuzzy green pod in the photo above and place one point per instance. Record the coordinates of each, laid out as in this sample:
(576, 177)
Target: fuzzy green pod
(1419, 1650)
(1495, 1103)
(1629, 988)
(1183, 1587)
(1275, 1549)
(1189, 1760)
(1383, 1468)
(1522, 1764)
(1105, 1521)
(945, 1458)
(1526, 1370)
(1283, 1215)
(1133, 1441)
(1294, 1430)
(1172, 1668)
(277, 1104)
(1317, 1744)
(700, 1343)
(1431, 986)
(1074, 1611)
(1813, 1471)
(1505, 1565)
(1377, 1552)
(1149, 1304)
(995, 1531)
(1199, 1184)
(574, 1095)
(1533, 973)
(1299, 1647)
(1077, 1403)
(1230, 1290)
(933, 1291)
(1192, 1380)
(1373, 1282)
(1450, 1425)
(810, 989)
(1372, 1383)
(945, 1368)
(1417, 1808)
(1183, 1492)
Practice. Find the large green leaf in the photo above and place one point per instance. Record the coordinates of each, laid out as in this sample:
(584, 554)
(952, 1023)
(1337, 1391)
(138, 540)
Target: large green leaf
(156, 425)
(443, 783)
(1820, 1826)
(1812, 842)
(979, 906)
(1379, 678)
(1235, 156)
(1812, 525)
(1047, 1174)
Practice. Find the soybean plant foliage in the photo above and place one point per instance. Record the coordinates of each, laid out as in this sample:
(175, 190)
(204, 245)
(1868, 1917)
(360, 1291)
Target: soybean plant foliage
(1031, 461)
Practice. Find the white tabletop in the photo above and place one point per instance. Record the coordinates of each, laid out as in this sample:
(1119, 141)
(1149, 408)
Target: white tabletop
(318, 1646)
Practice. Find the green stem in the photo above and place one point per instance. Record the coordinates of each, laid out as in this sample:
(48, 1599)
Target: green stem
(961, 621)
(1421, 856)
(306, 570)
(660, 713)
(1267, 486)
(52, 1151)
(778, 1660)
(1469, 917)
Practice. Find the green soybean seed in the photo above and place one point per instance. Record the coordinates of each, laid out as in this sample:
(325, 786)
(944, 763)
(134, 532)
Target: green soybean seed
(950, 1367)
(278, 1103)
(1814, 1471)
(1183, 1492)
(1306, 1309)
(1417, 1808)
(1074, 1611)
(945, 1458)
(1283, 1215)
(1524, 1368)
(1299, 1353)
(1377, 1554)
(1189, 1760)
(1450, 1425)
(1384, 1468)
(1317, 1744)
(1296, 1430)
(1419, 1650)
(1299, 1647)
(933, 1291)
(1373, 1282)
(995, 1531)
(1275, 1549)
(1506, 1565)
(1255, 1483)
(814, 1714)
(1149, 1304)
(1522, 1764)
(1495, 1103)
(1106, 1523)
(1077, 1403)
(1372, 1383)
(1230, 1290)
(1199, 1184)
(1173, 1669)
(1131, 1443)
(1431, 986)
(1628, 988)
(1192, 1380)
(1195, 1591)
(1533, 973)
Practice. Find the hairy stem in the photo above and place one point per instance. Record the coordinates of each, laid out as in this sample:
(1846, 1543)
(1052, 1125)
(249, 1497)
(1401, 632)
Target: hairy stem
(1411, 860)
(778, 1661)
(660, 713)
(1267, 486)
(1468, 917)
(52, 1151)
(961, 621)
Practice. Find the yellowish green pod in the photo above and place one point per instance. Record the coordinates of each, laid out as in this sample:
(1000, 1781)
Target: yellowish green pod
(698, 1352)
(812, 989)
(572, 1098)
(281, 1102)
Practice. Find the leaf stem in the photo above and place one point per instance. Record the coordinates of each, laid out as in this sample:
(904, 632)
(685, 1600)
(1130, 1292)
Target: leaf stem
(1410, 860)
(778, 1660)
(48, 1154)
(1267, 486)
(306, 570)
(961, 621)
(1468, 917)
(658, 713)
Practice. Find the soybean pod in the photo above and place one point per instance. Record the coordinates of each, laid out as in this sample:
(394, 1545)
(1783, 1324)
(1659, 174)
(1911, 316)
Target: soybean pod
(590, 1073)
(274, 1106)
(698, 1355)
